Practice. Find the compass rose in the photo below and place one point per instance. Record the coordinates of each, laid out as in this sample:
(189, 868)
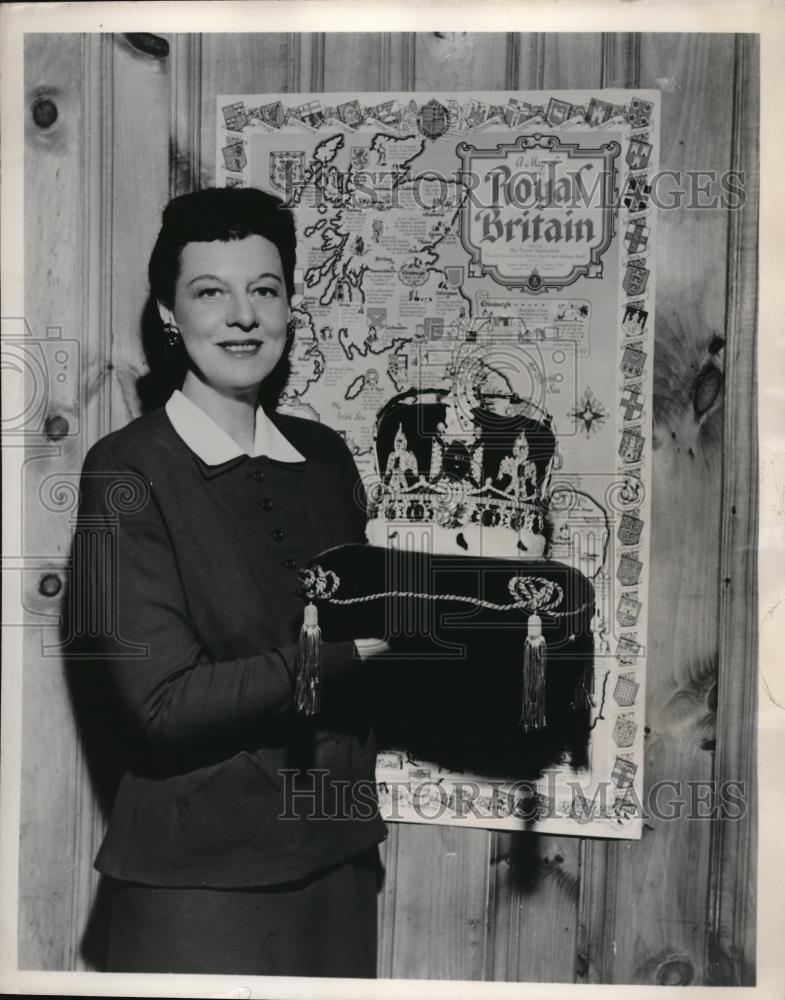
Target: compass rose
(589, 413)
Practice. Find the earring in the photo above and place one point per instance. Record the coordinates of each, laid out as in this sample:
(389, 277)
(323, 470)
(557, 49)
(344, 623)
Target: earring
(291, 327)
(172, 339)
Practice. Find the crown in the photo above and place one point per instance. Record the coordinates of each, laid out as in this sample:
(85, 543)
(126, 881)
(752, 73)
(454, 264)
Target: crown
(465, 466)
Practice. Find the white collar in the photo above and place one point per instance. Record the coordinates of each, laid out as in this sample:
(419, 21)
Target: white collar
(214, 446)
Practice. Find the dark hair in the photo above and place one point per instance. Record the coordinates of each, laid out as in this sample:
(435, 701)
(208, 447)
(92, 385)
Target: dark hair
(229, 213)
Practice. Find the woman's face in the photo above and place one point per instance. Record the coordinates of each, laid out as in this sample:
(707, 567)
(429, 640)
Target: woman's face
(231, 309)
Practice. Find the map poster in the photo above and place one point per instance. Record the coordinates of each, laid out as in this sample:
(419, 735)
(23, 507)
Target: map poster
(510, 236)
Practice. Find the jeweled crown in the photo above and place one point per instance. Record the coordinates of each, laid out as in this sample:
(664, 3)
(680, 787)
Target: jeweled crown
(453, 465)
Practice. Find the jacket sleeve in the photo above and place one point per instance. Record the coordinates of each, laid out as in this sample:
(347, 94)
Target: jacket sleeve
(129, 614)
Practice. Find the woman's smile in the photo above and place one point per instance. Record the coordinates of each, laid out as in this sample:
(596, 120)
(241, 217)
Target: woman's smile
(241, 348)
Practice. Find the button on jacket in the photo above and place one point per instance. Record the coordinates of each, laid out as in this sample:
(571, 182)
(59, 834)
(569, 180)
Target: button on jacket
(185, 594)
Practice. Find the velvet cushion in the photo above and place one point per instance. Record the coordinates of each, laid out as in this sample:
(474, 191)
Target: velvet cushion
(451, 689)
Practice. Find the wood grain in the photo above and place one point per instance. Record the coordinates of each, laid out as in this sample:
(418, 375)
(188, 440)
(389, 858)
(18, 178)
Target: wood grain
(732, 886)
(441, 903)
(533, 904)
(84, 950)
(387, 901)
(620, 58)
(572, 61)
(531, 61)
(353, 63)
(458, 60)
(50, 843)
(657, 888)
(142, 162)
(185, 103)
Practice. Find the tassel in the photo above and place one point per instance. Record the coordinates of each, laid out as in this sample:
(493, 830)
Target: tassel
(583, 697)
(584, 689)
(533, 695)
(309, 663)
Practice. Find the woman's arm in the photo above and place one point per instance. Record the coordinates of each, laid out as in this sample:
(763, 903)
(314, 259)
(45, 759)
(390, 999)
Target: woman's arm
(129, 612)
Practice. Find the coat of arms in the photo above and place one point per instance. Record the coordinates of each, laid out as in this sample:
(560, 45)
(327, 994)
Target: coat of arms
(234, 157)
(287, 169)
(623, 772)
(558, 111)
(634, 321)
(273, 114)
(624, 731)
(632, 362)
(598, 112)
(628, 649)
(631, 446)
(626, 690)
(638, 153)
(235, 117)
(433, 119)
(639, 115)
(359, 157)
(628, 611)
(629, 571)
(635, 279)
(631, 402)
(636, 194)
(350, 113)
(630, 528)
(517, 112)
(636, 236)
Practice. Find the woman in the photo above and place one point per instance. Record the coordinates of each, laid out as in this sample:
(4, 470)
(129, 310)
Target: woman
(243, 836)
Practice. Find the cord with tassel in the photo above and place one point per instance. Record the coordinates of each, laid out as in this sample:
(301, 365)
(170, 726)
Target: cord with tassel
(309, 663)
(533, 694)
(583, 696)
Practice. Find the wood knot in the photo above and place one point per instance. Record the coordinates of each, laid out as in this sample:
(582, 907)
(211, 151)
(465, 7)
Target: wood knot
(708, 383)
(151, 45)
(675, 971)
(50, 585)
(56, 428)
(44, 112)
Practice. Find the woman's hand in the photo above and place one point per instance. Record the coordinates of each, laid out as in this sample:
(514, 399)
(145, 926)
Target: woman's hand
(368, 648)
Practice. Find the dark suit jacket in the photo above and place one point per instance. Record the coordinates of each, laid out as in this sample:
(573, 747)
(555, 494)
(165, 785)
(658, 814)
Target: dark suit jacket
(185, 592)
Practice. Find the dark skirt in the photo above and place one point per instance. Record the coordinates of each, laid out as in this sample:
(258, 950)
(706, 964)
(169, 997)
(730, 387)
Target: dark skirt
(321, 926)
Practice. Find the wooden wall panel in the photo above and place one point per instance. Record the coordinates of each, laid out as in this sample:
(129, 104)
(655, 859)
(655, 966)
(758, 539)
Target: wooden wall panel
(527, 62)
(572, 61)
(657, 888)
(354, 62)
(533, 898)
(50, 822)
(459, 60)
(732, 880)
(140, 157)
(440, 896)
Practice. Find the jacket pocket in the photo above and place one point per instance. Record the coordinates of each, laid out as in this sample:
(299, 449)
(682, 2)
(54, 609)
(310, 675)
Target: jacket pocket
(236, 802)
